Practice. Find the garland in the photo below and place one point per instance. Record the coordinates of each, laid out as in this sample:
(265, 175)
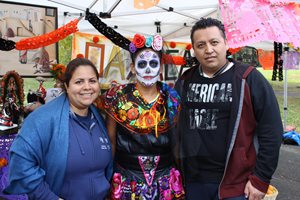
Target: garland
(108, 32)
(49, 38)
(7, 45)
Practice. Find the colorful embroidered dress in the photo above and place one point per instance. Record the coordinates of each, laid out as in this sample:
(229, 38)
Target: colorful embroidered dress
(145, 142)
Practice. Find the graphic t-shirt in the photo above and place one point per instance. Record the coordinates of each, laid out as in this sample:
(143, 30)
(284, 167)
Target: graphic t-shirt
(209, 103)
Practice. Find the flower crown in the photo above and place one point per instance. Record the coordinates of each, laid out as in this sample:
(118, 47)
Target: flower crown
(139, 41)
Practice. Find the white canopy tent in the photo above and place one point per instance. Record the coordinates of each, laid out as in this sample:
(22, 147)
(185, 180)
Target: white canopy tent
(173, 18)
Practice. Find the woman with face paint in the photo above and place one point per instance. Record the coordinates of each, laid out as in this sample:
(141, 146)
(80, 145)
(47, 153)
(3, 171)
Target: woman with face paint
(140, 122)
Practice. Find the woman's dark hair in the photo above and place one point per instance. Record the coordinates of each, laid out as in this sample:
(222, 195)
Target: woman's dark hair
(71, 68)
(205, 23)
(134, 55)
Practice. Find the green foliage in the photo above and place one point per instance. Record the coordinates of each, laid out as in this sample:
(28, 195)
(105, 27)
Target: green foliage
(65, 50)
(293, 97)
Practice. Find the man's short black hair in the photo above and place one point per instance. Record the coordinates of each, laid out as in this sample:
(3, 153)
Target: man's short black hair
(205, 23)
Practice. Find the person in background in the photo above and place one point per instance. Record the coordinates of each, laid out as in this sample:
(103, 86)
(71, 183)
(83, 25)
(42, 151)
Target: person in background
(62, 150)
(230, 126)
(140, 118)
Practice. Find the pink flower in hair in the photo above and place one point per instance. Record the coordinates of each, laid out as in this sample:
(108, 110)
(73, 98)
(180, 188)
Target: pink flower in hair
(157, 43)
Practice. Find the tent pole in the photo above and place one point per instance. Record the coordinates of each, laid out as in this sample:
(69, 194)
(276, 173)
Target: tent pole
(68, 4)
(114, 6)
(285, 88)
(204, 14)
(171, 9)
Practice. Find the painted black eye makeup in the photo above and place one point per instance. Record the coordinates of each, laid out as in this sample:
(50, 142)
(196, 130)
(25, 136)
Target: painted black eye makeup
(153, 63)
(142, 64)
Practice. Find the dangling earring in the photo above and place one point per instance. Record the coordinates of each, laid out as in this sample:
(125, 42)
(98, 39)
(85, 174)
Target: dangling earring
(161, 76)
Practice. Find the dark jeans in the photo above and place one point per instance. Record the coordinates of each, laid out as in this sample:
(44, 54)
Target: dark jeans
(205, 191)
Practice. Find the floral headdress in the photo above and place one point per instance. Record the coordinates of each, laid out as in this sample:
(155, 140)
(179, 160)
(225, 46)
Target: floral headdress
(139, 41)
(57, 70)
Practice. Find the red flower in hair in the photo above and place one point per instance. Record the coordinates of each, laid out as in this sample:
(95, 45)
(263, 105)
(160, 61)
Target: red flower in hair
(139, 41)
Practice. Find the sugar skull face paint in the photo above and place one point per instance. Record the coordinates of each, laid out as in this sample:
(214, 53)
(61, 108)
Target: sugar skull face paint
(147, 67)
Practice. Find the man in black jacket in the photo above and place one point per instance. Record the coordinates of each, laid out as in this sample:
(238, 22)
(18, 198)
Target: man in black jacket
(230, 126)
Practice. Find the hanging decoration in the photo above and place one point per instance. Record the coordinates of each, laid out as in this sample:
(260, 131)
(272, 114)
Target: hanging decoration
(175, 60)
(266, 59)
(277, 68)
(291, 60)
(173, 44)
(80, 55)
(49, 38)
(7, 45)
(259, 20)
(234, 50)
(108, 32)
(188, 47)
(95, 39)
(145, 4)
(297, 9)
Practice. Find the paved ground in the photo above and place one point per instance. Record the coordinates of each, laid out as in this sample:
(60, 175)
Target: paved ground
(287, 176)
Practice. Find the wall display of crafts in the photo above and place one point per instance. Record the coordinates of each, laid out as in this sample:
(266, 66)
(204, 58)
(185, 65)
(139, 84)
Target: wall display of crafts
(22, 21)
(12, 98)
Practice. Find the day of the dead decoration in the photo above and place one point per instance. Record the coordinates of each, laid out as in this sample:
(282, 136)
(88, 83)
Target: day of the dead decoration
(7, 45)
(145, 4)
(266, 59)
(48, 38)
(277, 62)
(108, 32)
(259, 20)
(57, 70)
(12, 98)
(291, 60)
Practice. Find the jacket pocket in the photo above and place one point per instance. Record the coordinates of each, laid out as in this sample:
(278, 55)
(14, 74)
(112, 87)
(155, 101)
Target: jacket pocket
(240, 165)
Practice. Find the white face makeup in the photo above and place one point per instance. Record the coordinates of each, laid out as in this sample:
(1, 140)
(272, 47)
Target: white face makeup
(147, 67)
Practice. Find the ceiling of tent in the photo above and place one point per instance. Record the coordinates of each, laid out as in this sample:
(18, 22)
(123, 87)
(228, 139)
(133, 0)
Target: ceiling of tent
(174, 25)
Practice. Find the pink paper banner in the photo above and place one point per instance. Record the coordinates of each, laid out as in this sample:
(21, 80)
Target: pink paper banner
(291, 60)
(250, 21)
